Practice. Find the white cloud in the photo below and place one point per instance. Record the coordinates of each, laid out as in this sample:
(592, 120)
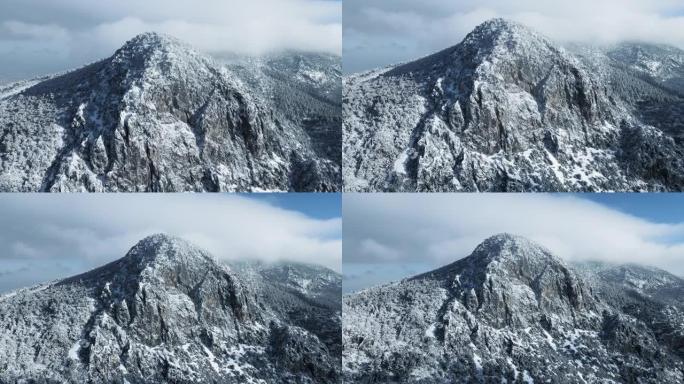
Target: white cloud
(48, 31)
(80, 232)
(32, 30)
(244, 29)
(381, 32)
(440, 228)
(372, 249)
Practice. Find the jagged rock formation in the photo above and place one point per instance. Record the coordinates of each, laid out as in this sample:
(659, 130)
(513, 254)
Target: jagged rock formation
(508, 110)
(308, 296)
(166, 312)
(159, 116)
(306, 89)
(513, 312)
(660, 63)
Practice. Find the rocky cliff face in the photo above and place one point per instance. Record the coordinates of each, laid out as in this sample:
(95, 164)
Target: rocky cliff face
(158, 116)
(308, 296)
(661, 63)
(511, 312)
(166, 312)
(507, 110)
(304, 88)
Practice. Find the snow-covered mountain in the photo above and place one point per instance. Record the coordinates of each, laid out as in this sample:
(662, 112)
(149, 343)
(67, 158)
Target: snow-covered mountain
(159, 116)
(309, 296)
(306, 279)
(513, 312)
(306, 88)
(168, 312)
(509, 110)
(661, 63)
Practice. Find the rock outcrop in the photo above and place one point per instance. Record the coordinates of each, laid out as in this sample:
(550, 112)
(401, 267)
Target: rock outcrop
(159, 116)
(508, 110)
(511, 312)
(166, 312)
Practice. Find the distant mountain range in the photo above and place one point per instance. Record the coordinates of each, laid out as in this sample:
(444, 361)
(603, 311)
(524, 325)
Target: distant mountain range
(159, 116)
(512, 312)
(167, 312)
(509, 110)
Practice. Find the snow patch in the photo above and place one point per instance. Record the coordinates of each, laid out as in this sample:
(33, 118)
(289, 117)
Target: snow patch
(477, 360)
(430, 332)
(527, 378)
(400, 164)
(549, 340)
(73, 351)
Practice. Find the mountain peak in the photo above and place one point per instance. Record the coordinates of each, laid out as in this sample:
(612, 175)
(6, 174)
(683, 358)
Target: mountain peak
(505, 254)
(507, 246)
(152, 39)
(185, 321)
(157, 239)
(165, 249)
(499, 24)
(506, 237)
(513, 257)
(499, 30)
(146, 45)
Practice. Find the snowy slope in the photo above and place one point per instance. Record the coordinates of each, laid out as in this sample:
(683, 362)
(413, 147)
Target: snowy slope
(309, 296)
(509, 110)
(166, 312)
(512, 312)
(305, 88)
(159, 116)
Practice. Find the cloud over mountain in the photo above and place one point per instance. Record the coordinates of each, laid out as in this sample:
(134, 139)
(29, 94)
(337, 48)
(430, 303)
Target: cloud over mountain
(38, 36)
(48, 237)
(378, 33)
(440, 228)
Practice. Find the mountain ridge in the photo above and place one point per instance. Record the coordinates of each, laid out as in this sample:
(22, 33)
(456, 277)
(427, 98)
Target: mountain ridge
(165, 312)
(511, 312)
(159, 116)
(504, 110)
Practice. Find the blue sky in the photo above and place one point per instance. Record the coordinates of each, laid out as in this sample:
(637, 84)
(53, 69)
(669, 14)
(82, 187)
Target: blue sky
(52, 236)
(317, 205)
(388, 237)
(657, 207)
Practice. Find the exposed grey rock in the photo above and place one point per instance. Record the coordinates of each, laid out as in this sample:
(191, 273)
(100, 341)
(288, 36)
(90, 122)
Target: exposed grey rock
(158, 116)
(165, 313)
(648, 294)
(309, 296)
(660, 63)
(508, 110)
(511, 312)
